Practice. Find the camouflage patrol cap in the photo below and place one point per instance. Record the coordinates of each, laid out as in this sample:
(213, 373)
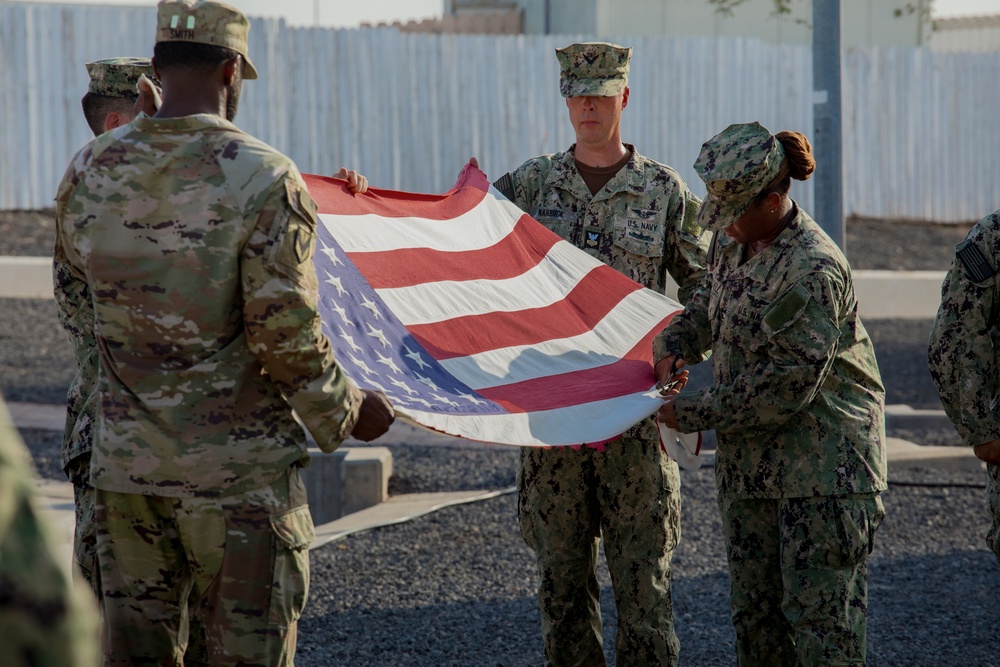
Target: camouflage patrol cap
(736, 165)
(593, 68)
(205, 22)
(116, 77)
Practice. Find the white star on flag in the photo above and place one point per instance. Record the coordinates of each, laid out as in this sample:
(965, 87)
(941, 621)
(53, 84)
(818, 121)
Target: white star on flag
(330, 280)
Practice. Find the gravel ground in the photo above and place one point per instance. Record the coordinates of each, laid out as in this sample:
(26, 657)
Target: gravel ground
(456, 587)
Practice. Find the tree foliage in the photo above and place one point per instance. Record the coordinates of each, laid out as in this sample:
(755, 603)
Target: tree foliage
(727, 6)
(782, 7)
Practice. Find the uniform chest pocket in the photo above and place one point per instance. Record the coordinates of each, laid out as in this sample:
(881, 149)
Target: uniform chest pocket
(735, 309)
(561, 222)
(640, 232)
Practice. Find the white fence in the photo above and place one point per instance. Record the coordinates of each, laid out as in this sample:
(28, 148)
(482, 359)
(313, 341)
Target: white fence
(922, 136)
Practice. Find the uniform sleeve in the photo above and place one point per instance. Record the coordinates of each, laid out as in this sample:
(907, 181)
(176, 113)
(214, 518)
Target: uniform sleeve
(283, 326)
(961, 353)
(801, 334)
(527, 180)
(76, 315)
(689, 333)
(685, 246)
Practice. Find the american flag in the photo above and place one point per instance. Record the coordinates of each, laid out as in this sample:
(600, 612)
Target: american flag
(479, 322)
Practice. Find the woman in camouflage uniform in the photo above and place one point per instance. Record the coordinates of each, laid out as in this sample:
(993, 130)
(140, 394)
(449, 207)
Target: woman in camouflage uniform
(797, 403)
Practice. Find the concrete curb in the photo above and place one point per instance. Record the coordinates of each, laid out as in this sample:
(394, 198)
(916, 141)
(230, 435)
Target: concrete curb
(881, 294)
(346, 481)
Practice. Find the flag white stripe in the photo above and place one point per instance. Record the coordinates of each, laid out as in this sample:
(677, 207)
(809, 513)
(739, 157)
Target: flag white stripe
(473, 230)
(544, 284)
(617, 333)
(570, 425)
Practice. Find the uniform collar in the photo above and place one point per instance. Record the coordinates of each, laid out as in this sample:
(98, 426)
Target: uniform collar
(199, 121)
(564, 175)
(759, 269)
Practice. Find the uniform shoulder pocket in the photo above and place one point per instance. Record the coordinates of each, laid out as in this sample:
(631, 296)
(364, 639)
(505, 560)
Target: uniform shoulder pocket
(786, 310)
(975, 264)
(293, 233)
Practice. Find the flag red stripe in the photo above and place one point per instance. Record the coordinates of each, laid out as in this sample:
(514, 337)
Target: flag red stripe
(633, 373)
(580, 311)
(469, 191)
(516, 253)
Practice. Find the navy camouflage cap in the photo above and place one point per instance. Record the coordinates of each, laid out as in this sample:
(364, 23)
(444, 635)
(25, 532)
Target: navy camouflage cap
(593, 68)
(205, 22)
(736, 165)
(116, 77)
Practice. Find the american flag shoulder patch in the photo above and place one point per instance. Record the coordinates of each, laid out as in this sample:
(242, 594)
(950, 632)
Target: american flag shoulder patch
(505, 184)
(974, 263)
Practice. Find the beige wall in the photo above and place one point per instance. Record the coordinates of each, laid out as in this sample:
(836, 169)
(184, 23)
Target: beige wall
(484, 22)
(974, 34)
(863, 22)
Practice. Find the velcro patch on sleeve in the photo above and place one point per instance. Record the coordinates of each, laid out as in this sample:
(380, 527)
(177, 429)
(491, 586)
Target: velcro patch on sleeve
(975, 265)
(297, 242)
(786, 309)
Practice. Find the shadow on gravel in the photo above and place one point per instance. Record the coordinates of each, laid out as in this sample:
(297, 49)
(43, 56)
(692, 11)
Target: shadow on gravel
(498, 633)
(495, 632)
(934, 611)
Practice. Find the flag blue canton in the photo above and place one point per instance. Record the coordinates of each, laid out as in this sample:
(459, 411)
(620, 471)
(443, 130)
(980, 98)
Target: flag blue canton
(374, 348)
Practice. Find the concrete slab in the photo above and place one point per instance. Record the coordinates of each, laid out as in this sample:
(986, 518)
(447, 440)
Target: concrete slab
(903, 417)
(890, 295)
(345, 481)
(904, 454)
(25, 277)
(397, 510)
(55, 501)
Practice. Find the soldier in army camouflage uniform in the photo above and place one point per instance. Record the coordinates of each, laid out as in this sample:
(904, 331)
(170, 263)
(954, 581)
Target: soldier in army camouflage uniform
(963, 353)
(637, 216)
(196, 241)
(797, 403)
(46, 619)
(109, 103)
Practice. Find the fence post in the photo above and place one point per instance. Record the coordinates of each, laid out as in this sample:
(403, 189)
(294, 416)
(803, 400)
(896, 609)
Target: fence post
(829, 187)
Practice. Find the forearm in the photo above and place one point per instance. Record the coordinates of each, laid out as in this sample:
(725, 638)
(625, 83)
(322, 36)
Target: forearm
(689, 333)
(759, 400)
(282, 323)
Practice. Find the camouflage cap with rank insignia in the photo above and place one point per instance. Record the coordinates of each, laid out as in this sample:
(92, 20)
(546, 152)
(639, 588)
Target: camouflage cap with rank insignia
(593, 68)
(116, 77)
(736, 165)
(205, 22)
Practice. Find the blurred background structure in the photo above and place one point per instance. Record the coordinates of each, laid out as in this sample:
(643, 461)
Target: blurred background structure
(408, 104)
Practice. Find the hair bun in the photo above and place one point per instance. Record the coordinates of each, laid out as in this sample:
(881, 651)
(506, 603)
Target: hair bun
(798, 154)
